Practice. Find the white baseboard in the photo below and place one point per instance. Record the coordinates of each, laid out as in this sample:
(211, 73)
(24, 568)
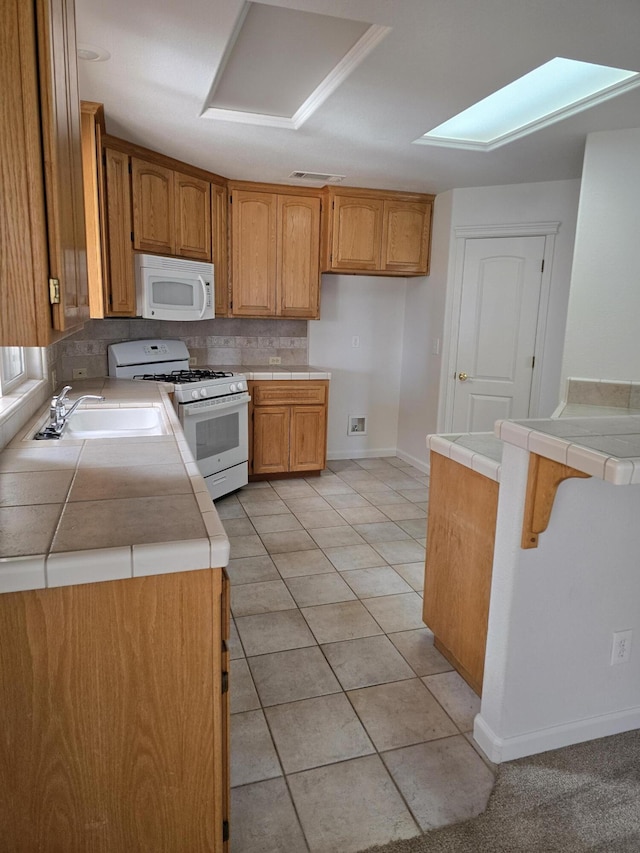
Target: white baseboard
(506, 749)
(361, 454)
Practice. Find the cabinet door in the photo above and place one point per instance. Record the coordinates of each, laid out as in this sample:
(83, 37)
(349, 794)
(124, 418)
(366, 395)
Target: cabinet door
(357, 233)
(121, 287)
(24, 305)
(153, 208)
(253, 241)
(271, 426)
(193, 217)
(298, 266)
(308, 438)
(405, 239)
(60, 108)
(460, 539)
(219, 202)
(105, 708)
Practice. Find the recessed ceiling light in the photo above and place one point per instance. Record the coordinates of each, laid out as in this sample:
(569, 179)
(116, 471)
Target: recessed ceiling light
(92, 54)
(550, 93)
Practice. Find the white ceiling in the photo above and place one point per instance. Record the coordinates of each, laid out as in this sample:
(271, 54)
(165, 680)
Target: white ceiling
(439, 57)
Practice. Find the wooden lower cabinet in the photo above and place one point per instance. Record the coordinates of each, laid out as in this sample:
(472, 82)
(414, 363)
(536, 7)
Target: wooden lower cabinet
(114, 719)
(288, 426)
(461, 527)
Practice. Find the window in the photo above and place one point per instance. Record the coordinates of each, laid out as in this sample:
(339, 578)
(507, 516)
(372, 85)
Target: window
(12, 368)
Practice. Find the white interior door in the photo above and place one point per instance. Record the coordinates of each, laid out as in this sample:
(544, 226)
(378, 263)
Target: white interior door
(501, 283)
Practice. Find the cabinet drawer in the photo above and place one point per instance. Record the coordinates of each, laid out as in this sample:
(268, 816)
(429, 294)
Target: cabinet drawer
(284, 393)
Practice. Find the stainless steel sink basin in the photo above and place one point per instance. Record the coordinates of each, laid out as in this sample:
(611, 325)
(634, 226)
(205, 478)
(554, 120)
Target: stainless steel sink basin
(115, 423)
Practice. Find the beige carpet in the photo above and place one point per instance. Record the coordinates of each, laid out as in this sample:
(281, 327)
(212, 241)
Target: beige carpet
(581, 798)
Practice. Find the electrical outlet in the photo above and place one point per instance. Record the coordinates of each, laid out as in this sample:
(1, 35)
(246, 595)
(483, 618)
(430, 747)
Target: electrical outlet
(275, 359)
(193, 360)
(79, 373)
(355, 341)
(621, 647)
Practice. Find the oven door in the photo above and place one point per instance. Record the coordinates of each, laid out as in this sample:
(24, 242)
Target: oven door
(217, 433)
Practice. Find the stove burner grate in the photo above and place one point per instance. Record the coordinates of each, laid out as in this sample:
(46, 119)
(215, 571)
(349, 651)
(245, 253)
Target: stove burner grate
(180, 377)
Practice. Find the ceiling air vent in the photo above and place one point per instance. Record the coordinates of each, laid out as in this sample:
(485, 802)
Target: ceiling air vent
(317, 176)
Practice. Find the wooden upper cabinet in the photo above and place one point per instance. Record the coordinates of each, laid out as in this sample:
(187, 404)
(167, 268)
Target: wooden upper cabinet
(171, 211)
(153, 208)
(275, 254)
(405, 239)
(41, 180)
(357, 232)
(376, 232)
(192, 217)
(119, 280)
(253, 253)
(60, 106)
(298, 266)
(219, 248)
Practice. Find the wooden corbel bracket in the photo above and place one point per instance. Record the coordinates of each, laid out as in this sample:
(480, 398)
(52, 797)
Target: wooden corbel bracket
(545, 476)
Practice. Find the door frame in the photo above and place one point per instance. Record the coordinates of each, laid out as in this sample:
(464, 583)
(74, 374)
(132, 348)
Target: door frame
(548, 230)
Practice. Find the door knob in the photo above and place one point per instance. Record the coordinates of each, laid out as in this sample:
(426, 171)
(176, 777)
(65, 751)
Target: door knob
(463, 377)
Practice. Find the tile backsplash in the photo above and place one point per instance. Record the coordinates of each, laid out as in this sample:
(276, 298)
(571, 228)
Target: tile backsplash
(604, 392)
(226, 341)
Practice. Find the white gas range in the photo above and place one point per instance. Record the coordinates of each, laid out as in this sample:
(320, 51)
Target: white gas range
(212, 407)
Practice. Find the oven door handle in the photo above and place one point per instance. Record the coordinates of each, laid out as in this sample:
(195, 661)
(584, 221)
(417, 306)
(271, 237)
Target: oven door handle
(204, 296)
(217, 407)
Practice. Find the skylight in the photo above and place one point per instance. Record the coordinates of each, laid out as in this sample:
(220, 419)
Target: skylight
(550, 93)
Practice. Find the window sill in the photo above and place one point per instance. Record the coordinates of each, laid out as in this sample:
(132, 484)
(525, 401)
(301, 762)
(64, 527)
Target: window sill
(19, 405)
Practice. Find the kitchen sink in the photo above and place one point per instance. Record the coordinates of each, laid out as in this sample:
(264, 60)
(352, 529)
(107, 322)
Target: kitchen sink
(115, 423)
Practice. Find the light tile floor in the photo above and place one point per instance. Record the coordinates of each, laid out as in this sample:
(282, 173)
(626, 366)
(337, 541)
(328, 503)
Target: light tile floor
(348, 728)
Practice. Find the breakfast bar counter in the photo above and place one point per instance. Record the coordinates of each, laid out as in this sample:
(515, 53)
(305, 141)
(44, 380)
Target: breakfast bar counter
(565, 586)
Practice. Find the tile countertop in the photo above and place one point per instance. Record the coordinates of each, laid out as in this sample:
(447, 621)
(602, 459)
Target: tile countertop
(607, 447)
(74, 511)
(275, 371)
(480, 451)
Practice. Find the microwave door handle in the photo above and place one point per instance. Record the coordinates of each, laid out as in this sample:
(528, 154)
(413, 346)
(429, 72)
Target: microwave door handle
(204, 296)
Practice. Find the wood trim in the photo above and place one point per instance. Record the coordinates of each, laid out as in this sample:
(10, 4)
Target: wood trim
(158, 159)
(278, 189)
(391, 195)
(92, 123)
(545, 476)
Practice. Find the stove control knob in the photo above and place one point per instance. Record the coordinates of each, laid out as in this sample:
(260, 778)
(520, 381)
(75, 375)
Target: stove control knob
(232, 387)
(242, 386)
(194, 395)
(203, 392)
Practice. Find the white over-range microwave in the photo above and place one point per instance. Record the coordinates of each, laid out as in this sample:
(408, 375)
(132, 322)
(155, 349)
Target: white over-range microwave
(173, 289)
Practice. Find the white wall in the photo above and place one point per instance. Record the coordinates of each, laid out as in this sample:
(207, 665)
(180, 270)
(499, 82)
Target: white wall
(602, 326)
(423, 331)
(548, 679)
(429, 311)
(364, 380)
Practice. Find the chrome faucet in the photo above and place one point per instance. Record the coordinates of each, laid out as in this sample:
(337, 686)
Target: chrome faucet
(58, 412)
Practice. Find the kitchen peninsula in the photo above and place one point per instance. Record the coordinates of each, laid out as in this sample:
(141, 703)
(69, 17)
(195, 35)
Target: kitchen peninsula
(113, 628)
(564, 581)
